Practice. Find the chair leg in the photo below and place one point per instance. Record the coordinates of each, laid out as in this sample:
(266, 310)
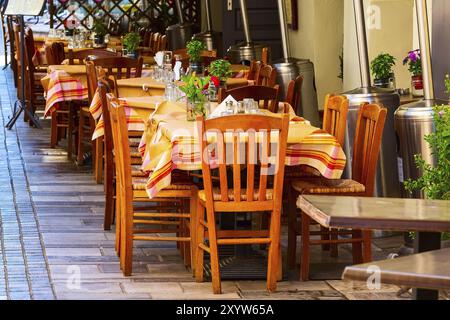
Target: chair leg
(118, 220)
(98, 169)
(292, 228)
(70, 132)
(214, 252)
(357, 247)
(80, 147)
(304, 263)
(274, 250)
(367, 239)
(199, 239)
(334, 253)
(126, 239)
(325, 235)
(193, 225)
(109, 197)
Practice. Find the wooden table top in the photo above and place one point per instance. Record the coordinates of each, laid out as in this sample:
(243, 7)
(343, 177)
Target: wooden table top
(377, 213)
(428, 270)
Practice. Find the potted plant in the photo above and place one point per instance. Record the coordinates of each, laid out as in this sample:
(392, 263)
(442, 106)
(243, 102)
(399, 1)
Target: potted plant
(194, 50)
(221, 69)
(414, 62)
(100, 31)
(381, 68)
(435, 180)
(131, 42)
(194, 89)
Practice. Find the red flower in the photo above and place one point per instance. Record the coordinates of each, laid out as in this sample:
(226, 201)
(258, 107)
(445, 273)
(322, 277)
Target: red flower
(215, 80)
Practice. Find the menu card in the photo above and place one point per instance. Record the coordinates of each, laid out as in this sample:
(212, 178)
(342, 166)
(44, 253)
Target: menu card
(25, 7)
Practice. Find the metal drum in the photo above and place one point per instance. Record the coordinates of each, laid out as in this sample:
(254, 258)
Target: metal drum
(211, 39)
(244, 53)
(387, 180)
(413, 122)
(289, 69)
(179, 34)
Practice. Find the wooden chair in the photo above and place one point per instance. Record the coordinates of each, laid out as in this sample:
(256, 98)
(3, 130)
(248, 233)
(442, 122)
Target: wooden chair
(132, 224)
(265, 55)
(369, 131)
(80, 56)
(266, 76)
(267, 96)
(254, 195)
(255, 65)
(54, 53)
(335, 116)
(294, 94)
(86, 123)
(34, 90)
(121, 67)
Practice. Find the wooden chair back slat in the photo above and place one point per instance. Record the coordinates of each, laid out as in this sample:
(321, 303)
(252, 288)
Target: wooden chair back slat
(266, 76)
(267, 96)
(367, 144)
(255, 65)
(335, 116)
(54, 53)
(294, 94)
(80, 56)
(121, 67)
(234, 142)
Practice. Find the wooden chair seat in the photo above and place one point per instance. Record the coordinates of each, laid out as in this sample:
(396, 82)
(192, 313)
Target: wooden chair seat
(137, 172)
(217, 195)
(140, 183)
(134, 142)
(327, 186)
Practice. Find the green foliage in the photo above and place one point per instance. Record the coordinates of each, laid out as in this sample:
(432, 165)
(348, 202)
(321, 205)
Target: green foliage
(194, 50)
(382, 65)
(435, 181)
(100, 28)
(131, 41)
(194, 87)
(220, 69)
(447, 83)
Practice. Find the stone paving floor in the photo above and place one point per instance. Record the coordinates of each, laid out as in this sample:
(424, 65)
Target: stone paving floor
(53, 245)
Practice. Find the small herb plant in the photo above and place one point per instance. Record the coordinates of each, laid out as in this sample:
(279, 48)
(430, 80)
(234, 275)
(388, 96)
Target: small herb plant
(194, 50)
(100, 28)
(131, 41)
(194, 88)
(414, 62)
(220, 69)
(382, 65)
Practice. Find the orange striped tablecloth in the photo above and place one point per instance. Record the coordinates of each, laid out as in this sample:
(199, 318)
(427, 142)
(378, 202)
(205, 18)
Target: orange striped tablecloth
(137, 111)
(170, 142)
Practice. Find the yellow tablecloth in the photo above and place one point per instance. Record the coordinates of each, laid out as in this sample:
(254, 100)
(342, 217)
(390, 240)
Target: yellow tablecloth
(171, 142)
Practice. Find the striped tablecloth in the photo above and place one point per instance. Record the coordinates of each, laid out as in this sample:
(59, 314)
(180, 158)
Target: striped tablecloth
(61, 86)
(170, 142)
(137, 110)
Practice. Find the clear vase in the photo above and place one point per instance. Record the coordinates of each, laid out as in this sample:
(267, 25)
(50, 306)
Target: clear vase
(194, 109)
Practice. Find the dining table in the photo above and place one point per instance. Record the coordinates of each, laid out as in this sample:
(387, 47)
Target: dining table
(170, 142)
(427, 218)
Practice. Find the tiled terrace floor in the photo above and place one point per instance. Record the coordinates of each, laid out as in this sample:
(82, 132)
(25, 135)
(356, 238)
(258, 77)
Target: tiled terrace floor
(53, 245)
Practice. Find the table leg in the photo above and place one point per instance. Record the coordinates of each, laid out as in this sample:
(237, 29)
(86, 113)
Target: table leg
(426, 241)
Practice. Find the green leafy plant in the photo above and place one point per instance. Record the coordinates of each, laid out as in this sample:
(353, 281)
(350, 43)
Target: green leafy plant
(131, 41)
(100, 28)
(435, 180)
(194, 50)
(414, 62)
(382, 65)
(194, 87)
(220, 69)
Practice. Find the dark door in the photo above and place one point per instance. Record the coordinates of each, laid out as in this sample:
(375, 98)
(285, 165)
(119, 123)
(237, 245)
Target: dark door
(263, 20)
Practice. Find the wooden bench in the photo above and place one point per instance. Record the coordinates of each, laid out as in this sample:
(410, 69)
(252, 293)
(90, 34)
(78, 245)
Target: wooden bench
(428, 270)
